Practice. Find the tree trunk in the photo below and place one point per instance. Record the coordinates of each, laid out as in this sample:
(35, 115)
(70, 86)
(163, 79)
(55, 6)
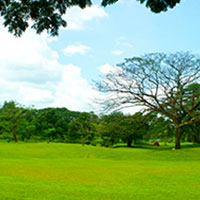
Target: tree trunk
(14, 130)
(129, 143)
(178, 138)
(15, 136)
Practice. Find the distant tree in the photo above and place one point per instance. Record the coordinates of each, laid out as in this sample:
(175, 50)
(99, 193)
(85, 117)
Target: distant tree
(53, 123)
(159, 128)
(47, 14)
(158, 82)
(192, 133)
(110, 129)
(11, 118)
(134, 127)
(82, 129)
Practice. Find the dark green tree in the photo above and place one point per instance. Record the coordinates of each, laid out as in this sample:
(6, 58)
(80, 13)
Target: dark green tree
(159, 128)
(48, 14)
(109, 128)
(158, 82)
(12, 118)
(133, 128)
(192, 131)
(53, 123)
(82, 129)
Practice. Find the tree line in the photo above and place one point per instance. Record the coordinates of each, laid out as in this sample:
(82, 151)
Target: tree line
(18, 123)
(166, 85)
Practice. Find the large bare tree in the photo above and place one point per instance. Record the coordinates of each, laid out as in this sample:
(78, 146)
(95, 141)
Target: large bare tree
(158, 82)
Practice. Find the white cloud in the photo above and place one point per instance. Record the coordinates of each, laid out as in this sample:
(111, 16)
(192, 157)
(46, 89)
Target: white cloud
(117, 52)
(32, 75)
(36, 95)
(76, 49)
(73, 91)
(105, 69)
(77, 17)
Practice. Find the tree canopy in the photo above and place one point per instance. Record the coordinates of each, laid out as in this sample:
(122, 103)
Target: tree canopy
(48, 14)
(165, 83)
(19, 123)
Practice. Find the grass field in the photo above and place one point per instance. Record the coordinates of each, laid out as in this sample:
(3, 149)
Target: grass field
(43, 171)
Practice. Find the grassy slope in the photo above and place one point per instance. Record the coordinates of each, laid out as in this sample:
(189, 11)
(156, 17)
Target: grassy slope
(68, 171)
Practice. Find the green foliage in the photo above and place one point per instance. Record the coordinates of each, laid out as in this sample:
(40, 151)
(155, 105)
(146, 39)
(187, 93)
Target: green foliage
(117, 127)
(48, 15)
(192, 133)
(11, 119)
(25, 124)
(55, 119)
(61, 125)
(134, 127)
(109, 128)
(83, 128)
(160, 128)
(156, 6)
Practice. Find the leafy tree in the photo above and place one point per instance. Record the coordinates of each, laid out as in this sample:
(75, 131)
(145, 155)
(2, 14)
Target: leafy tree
(11, 118)
(192, 133)
(156, 6)
(83, 128)
(109, 128)
(134, 127)
(47, 14)
(159, 128)
(158, 82)
(53, 123)
(117, 127)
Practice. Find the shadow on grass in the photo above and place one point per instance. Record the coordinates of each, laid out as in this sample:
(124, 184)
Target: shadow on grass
(159, 148)
(186, 146)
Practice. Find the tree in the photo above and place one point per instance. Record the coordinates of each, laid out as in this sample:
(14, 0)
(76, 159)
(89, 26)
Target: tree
(11, 117)
(53, 123)
(110, 128)
(192, 133)
(82, 129)
(47, 14)
(134, 127)
(159, 128)
(158, 82)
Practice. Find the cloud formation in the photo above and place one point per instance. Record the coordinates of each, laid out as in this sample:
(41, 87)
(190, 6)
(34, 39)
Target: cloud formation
(105, 69)
(76, 49)
(77, 17)
(32, 75)
(117, 52)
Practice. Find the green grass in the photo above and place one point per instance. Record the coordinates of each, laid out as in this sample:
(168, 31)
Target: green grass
(43, 171)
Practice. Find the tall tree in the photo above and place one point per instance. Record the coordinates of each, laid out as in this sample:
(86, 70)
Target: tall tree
(11, 117)
(158, 82)
(83, 128)
(48, 14)
(110, 128)
(133, 127)
(160, 128)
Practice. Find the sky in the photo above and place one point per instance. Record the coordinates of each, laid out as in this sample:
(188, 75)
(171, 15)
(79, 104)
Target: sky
(44, 71)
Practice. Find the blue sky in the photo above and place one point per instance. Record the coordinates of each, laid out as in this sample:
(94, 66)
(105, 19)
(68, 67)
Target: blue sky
(43, 71)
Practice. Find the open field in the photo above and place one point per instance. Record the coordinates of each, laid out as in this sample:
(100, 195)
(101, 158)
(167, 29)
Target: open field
(43, 171)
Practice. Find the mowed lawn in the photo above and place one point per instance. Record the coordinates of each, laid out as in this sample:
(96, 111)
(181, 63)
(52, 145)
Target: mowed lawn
(55, 171)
